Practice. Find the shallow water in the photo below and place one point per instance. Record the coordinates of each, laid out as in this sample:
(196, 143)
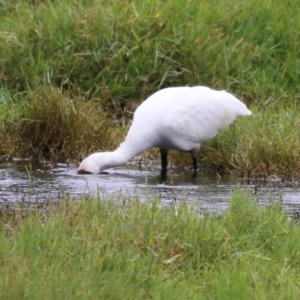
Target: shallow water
(33, 182)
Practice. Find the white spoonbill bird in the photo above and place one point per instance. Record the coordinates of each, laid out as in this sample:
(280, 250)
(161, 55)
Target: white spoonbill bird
(177, 118)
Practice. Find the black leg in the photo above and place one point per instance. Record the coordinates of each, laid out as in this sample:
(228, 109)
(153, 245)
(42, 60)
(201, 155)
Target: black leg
(194, 154)
(164, 162)
(195, 166)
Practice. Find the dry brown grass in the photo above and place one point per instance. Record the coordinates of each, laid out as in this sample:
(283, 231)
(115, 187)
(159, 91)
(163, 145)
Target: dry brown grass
(61, 124)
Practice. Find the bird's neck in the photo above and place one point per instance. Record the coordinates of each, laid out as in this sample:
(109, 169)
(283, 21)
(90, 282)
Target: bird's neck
(119, 157)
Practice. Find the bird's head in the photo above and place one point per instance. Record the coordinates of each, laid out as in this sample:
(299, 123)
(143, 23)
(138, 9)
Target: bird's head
(93, 164)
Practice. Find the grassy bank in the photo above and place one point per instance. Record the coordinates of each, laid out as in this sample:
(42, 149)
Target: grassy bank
(136, 250)
(119, 51)
(90, 63)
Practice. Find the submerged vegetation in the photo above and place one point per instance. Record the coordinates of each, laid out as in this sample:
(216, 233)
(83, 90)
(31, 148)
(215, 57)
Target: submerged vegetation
(131, 250)
(72, 73)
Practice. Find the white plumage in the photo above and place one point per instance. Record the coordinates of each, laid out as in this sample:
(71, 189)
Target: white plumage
(179, 118)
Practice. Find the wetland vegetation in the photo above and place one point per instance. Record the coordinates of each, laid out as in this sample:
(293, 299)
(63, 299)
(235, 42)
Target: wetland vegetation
(133, 250)
(72, 74)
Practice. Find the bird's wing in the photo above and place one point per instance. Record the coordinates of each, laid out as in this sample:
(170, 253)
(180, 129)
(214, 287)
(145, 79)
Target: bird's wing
(200, 116)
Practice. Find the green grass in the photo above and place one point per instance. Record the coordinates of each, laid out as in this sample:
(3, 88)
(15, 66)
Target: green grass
(131, 250)
(120, 51)
(259, 146)
(90, 63)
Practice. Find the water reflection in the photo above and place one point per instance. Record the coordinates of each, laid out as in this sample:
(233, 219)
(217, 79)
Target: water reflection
(32, 181)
